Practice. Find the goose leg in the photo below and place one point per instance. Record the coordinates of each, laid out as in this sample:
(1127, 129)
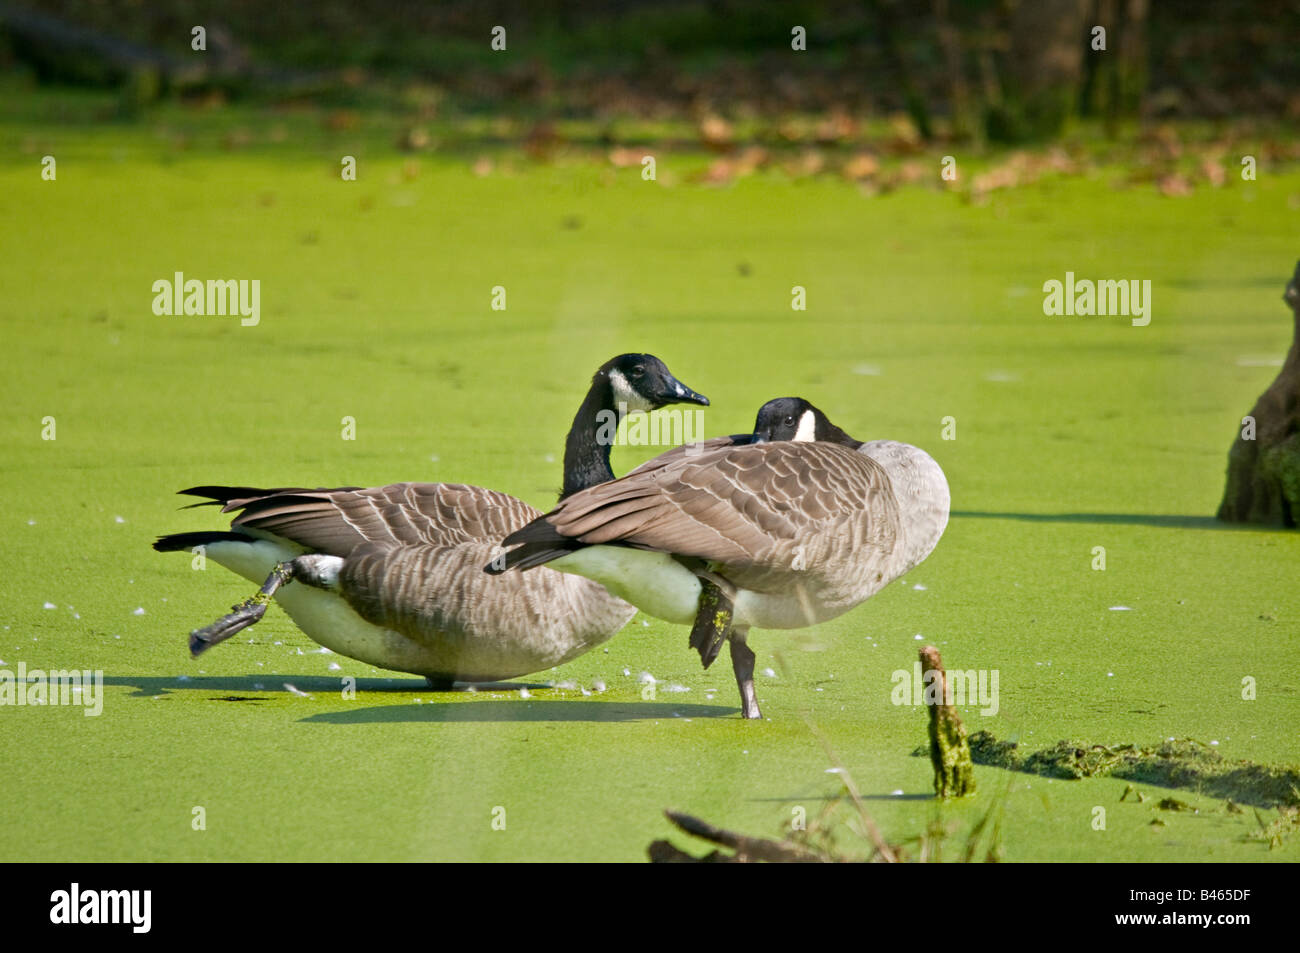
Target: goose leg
(713, 617)
(742, 663)
(312, 569)
(244, 614)
(440, 683)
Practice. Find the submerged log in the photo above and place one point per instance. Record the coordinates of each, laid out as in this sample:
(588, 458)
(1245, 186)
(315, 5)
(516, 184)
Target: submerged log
(1263, 484)
(747, 850)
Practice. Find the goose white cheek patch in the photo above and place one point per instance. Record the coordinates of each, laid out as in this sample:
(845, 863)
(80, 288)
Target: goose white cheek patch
(807, 427)
(625, 395)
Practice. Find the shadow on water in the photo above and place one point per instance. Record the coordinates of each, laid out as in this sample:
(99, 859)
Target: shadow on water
(466, 707)
(1131, 519)
(311, 684)
(827, 798)
(898, 797)
(521, 710)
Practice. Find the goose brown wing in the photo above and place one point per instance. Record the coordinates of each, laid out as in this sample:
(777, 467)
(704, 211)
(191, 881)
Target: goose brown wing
(407, 514)
(689, 450)
(740, 506)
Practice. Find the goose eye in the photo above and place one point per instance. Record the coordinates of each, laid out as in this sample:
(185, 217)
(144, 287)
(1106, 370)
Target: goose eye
(789, 421)
(638, 371)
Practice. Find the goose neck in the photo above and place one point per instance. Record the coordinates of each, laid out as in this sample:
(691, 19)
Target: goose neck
(587, 448)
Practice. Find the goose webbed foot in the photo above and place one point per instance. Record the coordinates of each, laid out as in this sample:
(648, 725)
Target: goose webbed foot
(713, 617)
(242, 615)
(742, 663)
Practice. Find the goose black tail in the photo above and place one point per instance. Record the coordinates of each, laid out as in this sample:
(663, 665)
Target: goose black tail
(535, 544)
(531, 554)
(223, 495)
(183, 542)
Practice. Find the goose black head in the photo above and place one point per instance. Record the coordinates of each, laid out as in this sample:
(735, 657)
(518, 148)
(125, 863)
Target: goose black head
(793, 418)
(643, 382)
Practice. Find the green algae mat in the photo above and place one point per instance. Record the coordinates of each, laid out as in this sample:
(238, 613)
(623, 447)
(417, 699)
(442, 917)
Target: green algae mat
(1071, 443)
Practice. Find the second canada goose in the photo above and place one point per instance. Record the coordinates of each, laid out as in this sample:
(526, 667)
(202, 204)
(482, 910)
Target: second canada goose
(391, 575)
(798, 526)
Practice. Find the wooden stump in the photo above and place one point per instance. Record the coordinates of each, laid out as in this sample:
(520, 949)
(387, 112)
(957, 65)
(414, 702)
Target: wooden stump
(954, 773)
(1263, 484)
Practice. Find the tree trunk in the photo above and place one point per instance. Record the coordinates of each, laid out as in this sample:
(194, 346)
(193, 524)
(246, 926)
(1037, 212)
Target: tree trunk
(961, 121)
(1042, 70)
(913, 99)
(1263, 483)
(1132, 49)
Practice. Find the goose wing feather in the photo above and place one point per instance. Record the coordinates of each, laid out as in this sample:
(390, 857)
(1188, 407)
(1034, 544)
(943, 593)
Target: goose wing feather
(688, 450)
(404, 514)
(737, 506)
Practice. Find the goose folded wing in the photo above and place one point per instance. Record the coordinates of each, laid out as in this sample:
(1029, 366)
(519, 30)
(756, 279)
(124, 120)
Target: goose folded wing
(689, 450)
(406, 514)
(736, 505)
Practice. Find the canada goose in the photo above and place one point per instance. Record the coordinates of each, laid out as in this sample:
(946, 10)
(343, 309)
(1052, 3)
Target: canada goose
(390, 575)
(796, 528)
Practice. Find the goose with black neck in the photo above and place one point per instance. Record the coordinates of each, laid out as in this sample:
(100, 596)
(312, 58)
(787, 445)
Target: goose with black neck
(793, 526)
(392, 576)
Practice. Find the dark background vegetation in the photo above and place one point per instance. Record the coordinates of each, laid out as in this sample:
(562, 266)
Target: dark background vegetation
(989, 69)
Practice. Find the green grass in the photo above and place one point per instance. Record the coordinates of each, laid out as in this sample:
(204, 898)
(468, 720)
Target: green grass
(1071, 433)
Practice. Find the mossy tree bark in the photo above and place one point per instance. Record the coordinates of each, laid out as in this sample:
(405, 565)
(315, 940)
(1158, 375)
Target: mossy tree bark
(1263, 484)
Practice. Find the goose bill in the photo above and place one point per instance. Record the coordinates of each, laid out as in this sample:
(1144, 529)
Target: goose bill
(675, 392)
